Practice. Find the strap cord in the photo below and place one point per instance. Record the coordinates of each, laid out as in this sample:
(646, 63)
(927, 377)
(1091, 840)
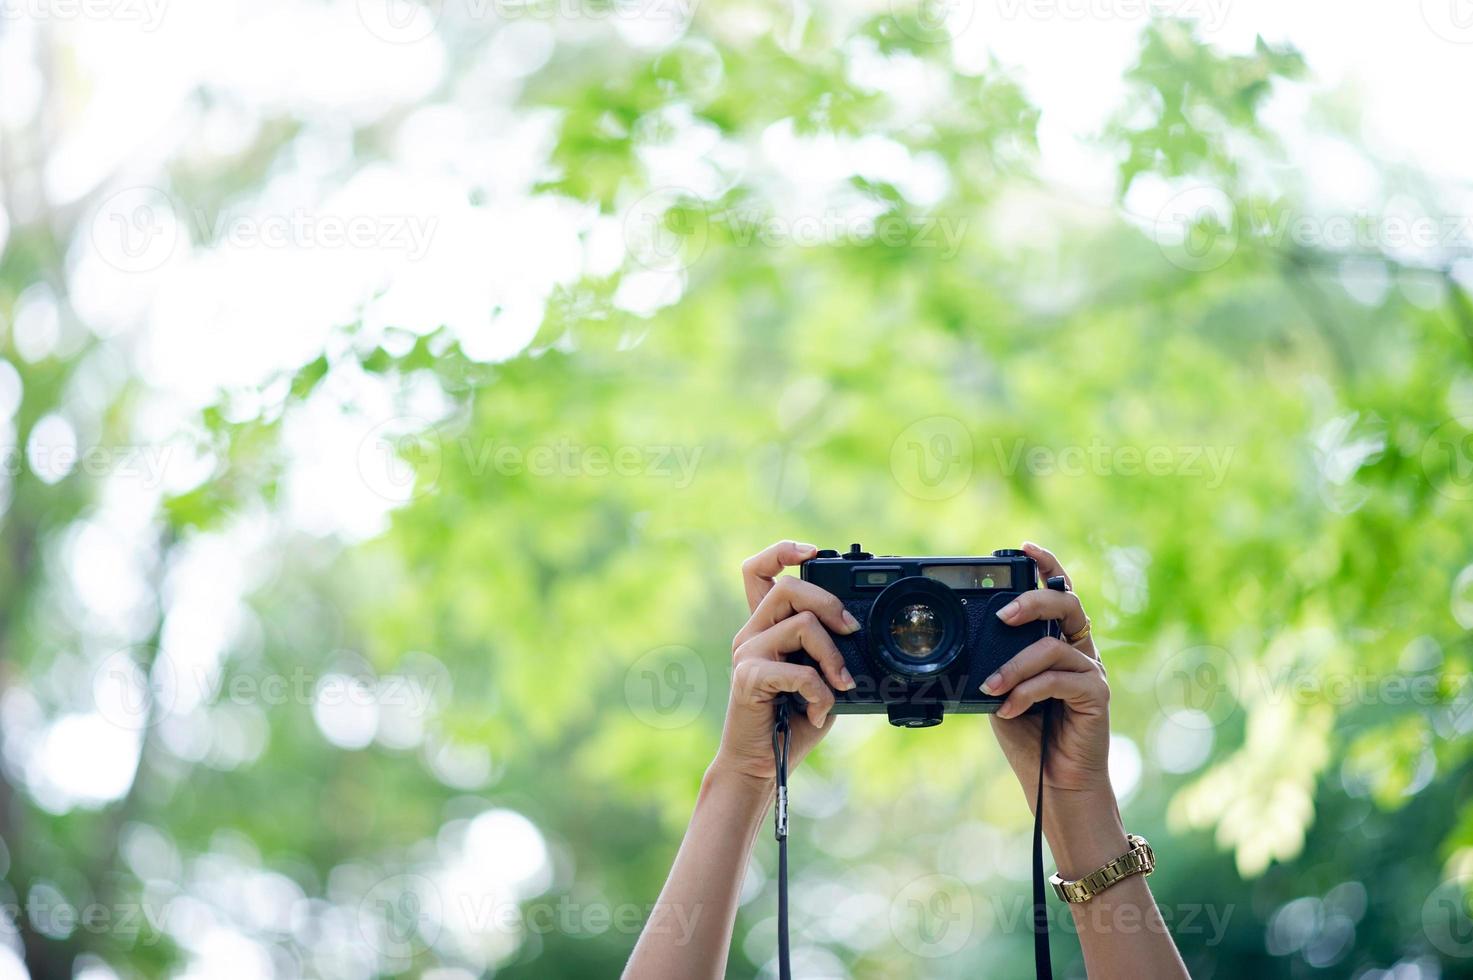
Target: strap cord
(1043, 966)
(782, 735)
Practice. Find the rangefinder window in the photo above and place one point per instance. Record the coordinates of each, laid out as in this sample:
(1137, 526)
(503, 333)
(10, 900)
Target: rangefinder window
(976, 576)
(874, 578)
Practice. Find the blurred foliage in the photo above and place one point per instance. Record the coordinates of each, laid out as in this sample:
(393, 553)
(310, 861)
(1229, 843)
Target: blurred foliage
(1259, 513)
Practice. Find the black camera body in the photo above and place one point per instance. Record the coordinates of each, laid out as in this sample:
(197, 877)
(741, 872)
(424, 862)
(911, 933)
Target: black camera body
(929, 633)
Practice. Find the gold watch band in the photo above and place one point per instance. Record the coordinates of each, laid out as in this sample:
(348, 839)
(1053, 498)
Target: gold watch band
(1139, 860)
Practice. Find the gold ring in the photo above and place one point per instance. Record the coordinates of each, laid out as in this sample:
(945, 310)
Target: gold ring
(1073, 638)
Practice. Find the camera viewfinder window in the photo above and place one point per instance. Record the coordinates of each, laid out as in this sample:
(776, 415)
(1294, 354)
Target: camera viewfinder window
(971, 576)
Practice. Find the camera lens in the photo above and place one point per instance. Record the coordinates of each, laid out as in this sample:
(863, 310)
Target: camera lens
(917, 628)
(916, 631)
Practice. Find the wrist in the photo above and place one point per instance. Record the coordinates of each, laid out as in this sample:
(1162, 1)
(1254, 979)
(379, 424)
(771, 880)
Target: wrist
(733, 785)
(1084, 830)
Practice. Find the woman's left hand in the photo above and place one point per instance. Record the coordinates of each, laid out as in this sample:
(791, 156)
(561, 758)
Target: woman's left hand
(1079, 748)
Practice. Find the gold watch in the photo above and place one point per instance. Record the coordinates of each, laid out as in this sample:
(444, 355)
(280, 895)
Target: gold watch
(1139, 860)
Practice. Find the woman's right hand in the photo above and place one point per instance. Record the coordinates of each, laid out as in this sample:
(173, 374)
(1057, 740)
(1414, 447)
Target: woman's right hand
(788, 615)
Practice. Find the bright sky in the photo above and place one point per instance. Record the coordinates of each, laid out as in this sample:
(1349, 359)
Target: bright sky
(351, 61)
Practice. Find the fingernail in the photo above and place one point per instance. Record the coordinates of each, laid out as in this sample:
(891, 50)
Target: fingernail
(850, 621)
(991, 684)
(1007, 612)
(848, 679)
(1005, 712)
(1029, 545)
(806, 549)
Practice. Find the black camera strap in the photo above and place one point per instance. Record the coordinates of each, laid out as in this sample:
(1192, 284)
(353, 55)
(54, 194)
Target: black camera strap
(782, 735)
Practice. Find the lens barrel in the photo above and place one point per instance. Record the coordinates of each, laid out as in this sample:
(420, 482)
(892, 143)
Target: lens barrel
(916, 627)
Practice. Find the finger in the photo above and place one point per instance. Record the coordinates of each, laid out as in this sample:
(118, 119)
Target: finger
(759, 571)
(761, 681)
(801, 631)
(1085, 693)
(1048, 565)
(1038, 604)
(791, 595)
(1049, 653)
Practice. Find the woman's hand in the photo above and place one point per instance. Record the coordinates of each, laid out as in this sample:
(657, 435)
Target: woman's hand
(1081, 818)
(1079, 745)
(788, 615)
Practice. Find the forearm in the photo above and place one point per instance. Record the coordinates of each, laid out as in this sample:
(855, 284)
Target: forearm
(1121, 930)
(689, 932)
